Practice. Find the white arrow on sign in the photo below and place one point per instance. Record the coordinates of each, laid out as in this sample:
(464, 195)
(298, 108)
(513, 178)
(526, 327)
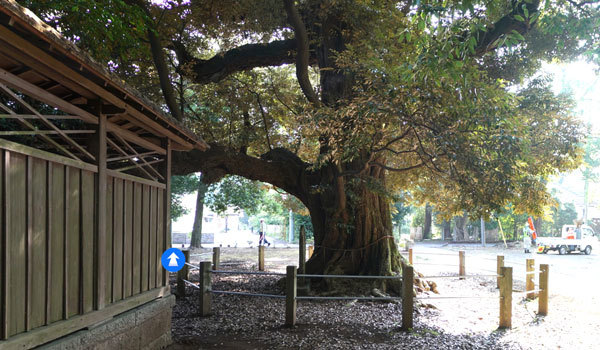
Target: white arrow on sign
(173, 259)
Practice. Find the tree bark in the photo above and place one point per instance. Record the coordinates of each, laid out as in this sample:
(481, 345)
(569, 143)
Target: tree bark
(446, 230)
(199, 214)
(460, 224)
(427, 224)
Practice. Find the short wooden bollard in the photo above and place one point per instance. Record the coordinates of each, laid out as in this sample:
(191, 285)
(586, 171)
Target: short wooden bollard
(461, 263)
(543, 299)
(205, 288)
(311, 250)
(410, 256)
(261, 258)
(529, 283)
(506, 285)
(499, 266)
(408, 276)
(216, 258)
(183, 274)
(290, 296)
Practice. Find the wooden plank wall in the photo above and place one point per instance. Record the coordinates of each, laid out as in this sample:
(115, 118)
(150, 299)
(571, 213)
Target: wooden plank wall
(47, 240)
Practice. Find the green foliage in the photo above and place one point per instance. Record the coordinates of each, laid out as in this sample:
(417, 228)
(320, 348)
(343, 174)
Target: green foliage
(180, 186)
(235, 191)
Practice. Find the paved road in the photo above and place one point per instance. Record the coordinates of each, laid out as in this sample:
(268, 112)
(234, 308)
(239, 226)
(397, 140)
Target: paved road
(572, 275)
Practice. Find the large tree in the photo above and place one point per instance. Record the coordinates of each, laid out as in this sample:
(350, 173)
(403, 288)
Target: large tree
(437, 97)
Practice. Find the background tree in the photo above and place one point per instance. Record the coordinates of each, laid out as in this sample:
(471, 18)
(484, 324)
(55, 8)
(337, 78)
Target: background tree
(406, 96)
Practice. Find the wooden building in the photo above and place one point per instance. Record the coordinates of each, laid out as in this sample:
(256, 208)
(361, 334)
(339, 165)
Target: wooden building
(84, 190)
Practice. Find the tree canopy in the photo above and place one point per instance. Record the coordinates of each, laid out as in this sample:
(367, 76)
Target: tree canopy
(343, 102)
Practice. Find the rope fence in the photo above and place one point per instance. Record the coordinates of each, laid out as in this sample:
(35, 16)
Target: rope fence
(503, 274)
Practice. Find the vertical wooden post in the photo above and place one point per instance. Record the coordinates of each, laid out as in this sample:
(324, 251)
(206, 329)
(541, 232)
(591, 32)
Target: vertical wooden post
(311, 250)
(302, 251)
(506, 285)
(410, 256)
(261, 258)
(290, 296)
(216, 259)
(461, 263)
(499, 266)
(100, 241)
(529, 284)
(543, 299)
(183, 274)
(205, 287)
(407, 296)
(4, 244)
(166, 214)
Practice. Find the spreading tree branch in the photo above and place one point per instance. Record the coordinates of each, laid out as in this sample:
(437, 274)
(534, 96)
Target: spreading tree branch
(302, 51)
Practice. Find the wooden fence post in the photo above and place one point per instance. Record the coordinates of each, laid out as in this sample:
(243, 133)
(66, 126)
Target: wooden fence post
(216, 258)
(183, 274)
(543, 299)
(506, 285)
(410, 256)
(302, 251)
(529, 283)
(499, 266)
(205, 288)
(290, 296)
(261, 258)
(461, 263)
(311, 250)
(407, 297)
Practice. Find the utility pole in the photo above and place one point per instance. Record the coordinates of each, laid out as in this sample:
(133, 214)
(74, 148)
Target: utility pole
(482, 232)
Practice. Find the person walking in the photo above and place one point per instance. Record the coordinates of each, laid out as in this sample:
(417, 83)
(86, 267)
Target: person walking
(262, 240)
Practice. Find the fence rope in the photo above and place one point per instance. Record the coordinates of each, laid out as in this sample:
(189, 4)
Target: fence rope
(191, 284)
(348, 298)
(458, 276)
(459, 297)
(423, 253)
(350, 276)
(193, 267)
(200, 254)
(224, 272)
(420, 263)
(527, 291)
(248, 294)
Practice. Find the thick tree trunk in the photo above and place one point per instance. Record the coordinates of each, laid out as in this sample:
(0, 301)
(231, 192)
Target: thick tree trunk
(427, 224)
(446, 232)
(460, 225)
(199, 213)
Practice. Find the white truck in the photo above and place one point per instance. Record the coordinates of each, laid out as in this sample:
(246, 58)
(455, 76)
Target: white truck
(573, 239)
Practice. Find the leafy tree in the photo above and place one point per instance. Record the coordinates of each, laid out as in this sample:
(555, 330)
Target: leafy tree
(400, 211)
(437, 97)
(589, 171)
(180, 186)
(237, 192)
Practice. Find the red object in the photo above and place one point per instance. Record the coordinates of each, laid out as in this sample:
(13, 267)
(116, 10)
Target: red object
(533, 234)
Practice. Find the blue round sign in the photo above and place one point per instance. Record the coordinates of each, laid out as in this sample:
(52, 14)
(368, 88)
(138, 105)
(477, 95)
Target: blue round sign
(172, 260)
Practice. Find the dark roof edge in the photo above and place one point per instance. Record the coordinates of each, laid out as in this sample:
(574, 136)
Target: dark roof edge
(68, 48)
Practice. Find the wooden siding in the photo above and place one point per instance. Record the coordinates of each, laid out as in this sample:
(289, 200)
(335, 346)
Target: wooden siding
(47, 240)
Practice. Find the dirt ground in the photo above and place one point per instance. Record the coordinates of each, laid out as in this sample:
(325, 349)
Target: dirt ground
(240, 322)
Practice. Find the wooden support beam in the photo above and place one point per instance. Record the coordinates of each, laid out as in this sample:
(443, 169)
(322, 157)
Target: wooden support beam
(13, 44)
(46, 122)
(131, 156)
(43, 96)
(43, 132)
(133, 151)
(130, 159)
(140, 166)
(101, 217)
(5, 240)
(44, 137)
(290, 296)
(33, 116)
(166, 207)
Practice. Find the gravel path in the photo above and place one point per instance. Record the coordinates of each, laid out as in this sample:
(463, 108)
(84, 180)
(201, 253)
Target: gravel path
(240, 322)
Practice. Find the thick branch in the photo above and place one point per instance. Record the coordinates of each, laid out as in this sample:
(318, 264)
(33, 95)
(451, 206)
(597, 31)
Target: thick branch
(242, 58)
(278, 167)
(302, 51)
(487, 39)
